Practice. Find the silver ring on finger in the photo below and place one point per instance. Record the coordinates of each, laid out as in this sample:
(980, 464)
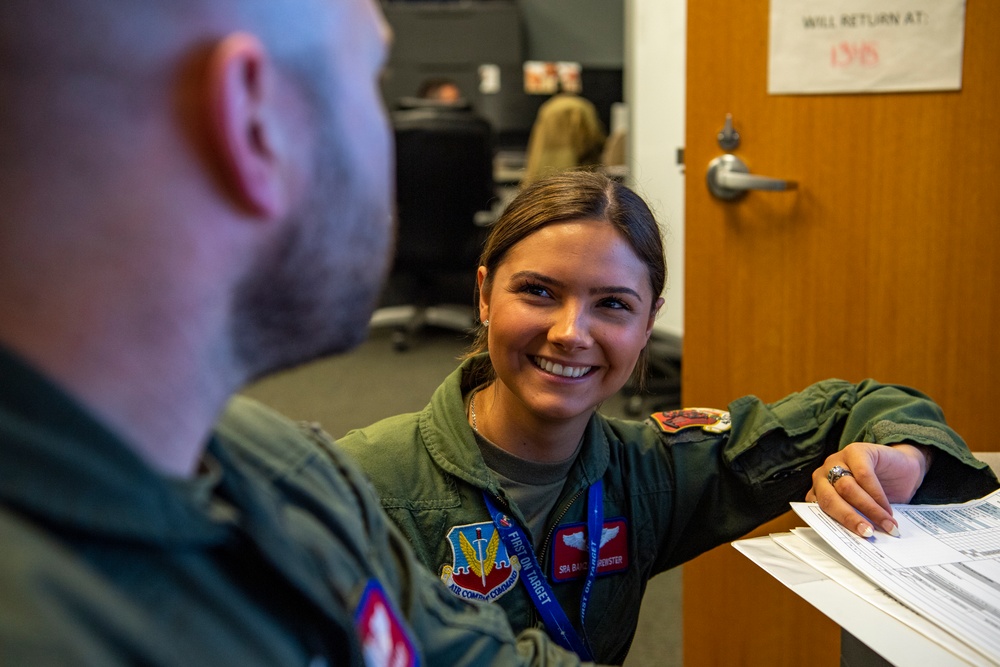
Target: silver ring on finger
(835, 473)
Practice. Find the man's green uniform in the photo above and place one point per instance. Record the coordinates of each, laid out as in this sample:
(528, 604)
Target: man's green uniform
(673, 487)
(276, 554)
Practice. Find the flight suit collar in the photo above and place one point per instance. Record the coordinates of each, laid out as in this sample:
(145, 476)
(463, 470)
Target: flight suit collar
(63, 466)
(449, 439)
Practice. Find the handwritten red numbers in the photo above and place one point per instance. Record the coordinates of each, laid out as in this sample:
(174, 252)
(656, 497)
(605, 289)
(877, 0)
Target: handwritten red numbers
(854, 54)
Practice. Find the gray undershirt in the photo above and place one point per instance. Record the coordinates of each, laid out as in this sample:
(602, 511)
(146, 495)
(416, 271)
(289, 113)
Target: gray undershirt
(533, 486)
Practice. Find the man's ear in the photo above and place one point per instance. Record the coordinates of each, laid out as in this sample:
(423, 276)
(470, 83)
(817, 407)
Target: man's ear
(239, 83)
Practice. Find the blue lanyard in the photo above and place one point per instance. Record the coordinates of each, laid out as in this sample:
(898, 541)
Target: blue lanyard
(539, 589)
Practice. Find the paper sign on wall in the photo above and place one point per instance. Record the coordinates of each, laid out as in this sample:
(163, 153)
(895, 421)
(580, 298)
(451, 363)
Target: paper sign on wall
(857, 46)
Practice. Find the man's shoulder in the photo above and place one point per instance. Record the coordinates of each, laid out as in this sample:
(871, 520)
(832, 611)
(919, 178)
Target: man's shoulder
(257, 431)
(277, 448)
(246, 418)
(54, 609)
(30, 555)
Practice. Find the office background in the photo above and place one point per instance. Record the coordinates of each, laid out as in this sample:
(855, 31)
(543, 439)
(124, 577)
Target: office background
(455, 39)
(639, 43)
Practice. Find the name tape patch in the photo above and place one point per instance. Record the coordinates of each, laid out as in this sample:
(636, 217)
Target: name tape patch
(569, 550)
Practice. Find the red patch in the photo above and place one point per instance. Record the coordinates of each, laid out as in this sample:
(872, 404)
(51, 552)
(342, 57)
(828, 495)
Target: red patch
(385, 639)
(713, 421)
(569, 550)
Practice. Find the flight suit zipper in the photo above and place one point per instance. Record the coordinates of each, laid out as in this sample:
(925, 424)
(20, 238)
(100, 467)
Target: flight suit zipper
(535, 619)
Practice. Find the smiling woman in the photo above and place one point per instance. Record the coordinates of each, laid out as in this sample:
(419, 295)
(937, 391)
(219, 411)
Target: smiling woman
(571, 305)
(511, 475)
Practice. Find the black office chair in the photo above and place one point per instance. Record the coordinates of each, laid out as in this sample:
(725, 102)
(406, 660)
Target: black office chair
(663, 381)
(444, 182)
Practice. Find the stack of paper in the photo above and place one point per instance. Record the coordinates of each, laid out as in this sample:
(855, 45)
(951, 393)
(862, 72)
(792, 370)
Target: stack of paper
(940, 578)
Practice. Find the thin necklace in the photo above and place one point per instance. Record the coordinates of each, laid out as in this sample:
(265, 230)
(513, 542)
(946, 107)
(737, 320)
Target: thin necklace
(472, 410)
(475, 426)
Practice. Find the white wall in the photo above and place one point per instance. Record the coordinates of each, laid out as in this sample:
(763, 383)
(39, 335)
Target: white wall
(655, 59)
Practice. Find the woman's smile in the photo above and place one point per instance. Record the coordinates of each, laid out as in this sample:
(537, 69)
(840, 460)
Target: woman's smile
(562, 370)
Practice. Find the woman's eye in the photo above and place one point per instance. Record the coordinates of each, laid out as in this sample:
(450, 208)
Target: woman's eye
(616, 304)
(535, 289)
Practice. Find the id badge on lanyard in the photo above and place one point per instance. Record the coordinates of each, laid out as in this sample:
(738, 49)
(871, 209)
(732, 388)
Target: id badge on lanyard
(539, 589)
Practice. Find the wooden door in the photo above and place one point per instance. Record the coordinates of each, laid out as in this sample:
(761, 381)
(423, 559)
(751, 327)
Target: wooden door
(885, 263)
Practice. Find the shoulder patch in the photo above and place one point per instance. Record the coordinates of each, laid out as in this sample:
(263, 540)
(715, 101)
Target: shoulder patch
(710, 420)
(382, 633)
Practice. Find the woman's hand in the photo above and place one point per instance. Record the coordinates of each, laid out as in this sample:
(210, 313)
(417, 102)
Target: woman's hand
(878, 475)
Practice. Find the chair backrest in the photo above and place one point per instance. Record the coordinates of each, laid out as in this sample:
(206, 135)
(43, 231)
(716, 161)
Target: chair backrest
(444, 176)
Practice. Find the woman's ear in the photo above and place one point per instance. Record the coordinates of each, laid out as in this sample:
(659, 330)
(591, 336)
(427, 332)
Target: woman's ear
(484, 297)
(239, 88)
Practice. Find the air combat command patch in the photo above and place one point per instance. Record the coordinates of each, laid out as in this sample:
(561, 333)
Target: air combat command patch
(481, 568)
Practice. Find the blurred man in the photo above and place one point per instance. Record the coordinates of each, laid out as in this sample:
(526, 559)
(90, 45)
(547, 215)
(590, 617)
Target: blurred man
(194, 193)
(440, 89)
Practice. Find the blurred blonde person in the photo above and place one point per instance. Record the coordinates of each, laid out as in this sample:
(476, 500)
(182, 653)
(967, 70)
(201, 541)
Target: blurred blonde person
(567, 134)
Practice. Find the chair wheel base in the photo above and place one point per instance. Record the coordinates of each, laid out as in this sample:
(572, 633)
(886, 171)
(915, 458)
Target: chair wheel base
(400, 341)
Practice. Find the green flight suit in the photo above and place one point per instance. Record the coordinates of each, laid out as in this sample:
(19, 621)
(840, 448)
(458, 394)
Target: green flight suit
(669, 496)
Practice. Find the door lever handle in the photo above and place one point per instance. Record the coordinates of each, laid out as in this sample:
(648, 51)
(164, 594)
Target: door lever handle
(729, 179)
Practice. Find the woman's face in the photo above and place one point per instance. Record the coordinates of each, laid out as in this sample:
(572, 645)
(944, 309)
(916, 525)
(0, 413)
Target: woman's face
(570, 309)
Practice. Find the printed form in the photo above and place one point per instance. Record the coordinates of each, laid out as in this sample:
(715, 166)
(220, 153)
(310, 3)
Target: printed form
(945, 565)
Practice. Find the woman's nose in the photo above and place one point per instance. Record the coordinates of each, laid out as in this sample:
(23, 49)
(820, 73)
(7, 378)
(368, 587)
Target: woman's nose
(571, 329)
